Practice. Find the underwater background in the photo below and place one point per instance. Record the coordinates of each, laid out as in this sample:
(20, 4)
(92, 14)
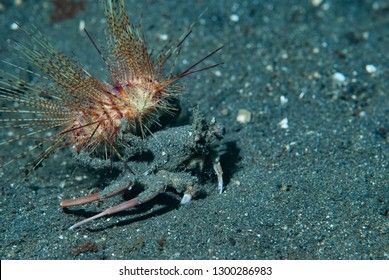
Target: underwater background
(303, 97)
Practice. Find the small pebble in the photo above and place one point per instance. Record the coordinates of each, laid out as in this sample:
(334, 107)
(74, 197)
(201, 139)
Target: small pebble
(339, 77)
(14, 26)
(316, 3)
(234, 17)
(217, 73)
(370, 68)
(283, 100)
(284, 123)
(81, 25)
(243, 116)
(78, 178)
(225, 112)
(163, 37)
(316, 75)
(269, 68)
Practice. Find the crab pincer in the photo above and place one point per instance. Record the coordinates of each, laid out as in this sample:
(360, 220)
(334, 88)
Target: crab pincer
(109, 211)
(153, 185)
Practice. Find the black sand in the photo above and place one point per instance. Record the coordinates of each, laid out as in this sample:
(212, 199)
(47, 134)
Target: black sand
(315, 187)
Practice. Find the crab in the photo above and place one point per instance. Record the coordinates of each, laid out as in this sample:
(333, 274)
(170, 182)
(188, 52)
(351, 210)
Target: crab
(173, 157)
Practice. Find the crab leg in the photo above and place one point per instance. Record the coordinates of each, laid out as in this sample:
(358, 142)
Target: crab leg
(219, 173)
(117, 208)
(92, 197)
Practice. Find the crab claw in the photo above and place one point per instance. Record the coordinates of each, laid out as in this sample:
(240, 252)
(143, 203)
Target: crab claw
(92, 197)
(115, 209)
(219, 173)
(186, 199)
